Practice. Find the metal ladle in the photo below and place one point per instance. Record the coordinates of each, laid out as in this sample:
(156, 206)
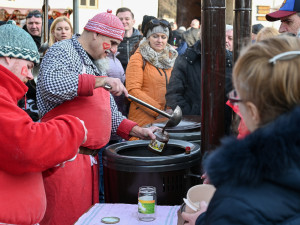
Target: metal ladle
(174, 118)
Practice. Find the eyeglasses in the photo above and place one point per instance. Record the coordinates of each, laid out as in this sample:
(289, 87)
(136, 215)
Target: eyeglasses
(160, 22)
(37, 15)
(284, 56)
(233, 97)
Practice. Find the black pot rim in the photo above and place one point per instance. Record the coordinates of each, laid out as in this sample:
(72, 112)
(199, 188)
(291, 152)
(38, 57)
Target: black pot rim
(110, 155)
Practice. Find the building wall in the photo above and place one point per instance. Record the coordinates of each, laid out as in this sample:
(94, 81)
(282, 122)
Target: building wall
(274, 5)
(167, 9)
(187, 11)
(229, 11)
(138, 7)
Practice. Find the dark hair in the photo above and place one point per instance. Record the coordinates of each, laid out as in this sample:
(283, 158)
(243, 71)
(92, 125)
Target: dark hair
(256, 28)
(145, 28)
(35, 13)
(44, 6)
(146, 19)
(124, 9)
(154, 23)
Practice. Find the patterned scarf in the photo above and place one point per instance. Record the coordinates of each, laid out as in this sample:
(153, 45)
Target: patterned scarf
(161, 60)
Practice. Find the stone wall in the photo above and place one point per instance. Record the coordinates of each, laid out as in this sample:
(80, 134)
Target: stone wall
(167, 9)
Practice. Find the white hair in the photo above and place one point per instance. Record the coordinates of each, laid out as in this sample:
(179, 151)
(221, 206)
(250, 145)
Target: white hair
(229, 27)
(102, 65)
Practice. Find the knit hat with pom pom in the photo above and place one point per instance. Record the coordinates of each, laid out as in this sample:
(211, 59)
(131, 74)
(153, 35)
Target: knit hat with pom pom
(106, 24)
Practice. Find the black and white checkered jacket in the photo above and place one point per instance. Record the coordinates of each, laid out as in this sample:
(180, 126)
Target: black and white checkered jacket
(58, 77)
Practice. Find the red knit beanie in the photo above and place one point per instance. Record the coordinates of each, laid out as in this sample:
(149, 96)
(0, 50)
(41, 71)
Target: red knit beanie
(106, 24)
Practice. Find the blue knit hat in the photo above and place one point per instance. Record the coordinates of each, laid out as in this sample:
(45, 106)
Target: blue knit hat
(17, 43)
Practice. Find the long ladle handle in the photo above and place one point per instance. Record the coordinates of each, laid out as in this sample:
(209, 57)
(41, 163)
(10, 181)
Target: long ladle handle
(149, 106)
(108, 87)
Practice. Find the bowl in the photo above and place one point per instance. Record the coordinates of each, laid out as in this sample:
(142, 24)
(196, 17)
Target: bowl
(198, 193)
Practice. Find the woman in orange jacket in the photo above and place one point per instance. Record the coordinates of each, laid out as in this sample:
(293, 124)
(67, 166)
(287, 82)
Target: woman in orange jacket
(149, 70)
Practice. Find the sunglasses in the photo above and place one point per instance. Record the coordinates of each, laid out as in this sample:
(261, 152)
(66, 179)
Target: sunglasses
(157, 22)
(37, 15)
(284, 56)
(233, 97)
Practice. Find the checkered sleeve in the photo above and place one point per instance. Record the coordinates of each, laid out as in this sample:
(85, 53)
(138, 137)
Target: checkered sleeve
(116, 116)
(58, 78)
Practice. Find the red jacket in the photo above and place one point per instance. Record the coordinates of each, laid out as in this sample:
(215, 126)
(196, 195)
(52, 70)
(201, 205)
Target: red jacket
(26, 149)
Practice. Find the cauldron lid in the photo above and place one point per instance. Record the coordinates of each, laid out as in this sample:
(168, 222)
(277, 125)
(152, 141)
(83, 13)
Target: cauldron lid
(187, 123)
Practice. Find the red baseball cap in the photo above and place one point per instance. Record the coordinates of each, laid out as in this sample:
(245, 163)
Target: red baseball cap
(288, 7)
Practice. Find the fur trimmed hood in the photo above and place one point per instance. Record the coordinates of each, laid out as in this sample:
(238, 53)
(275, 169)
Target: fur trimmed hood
(272, 152)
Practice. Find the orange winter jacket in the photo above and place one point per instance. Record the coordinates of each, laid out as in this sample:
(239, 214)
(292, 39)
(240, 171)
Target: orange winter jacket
(149, 84)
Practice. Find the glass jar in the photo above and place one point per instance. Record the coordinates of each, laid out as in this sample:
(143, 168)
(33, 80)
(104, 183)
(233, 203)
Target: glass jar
(159, 143)
(147, 203)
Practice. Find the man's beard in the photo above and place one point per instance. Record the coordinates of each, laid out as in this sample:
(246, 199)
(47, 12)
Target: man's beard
(102, 65)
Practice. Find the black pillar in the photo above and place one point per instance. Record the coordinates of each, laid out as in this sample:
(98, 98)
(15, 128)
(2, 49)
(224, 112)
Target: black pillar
(213, 73)
(241, 26)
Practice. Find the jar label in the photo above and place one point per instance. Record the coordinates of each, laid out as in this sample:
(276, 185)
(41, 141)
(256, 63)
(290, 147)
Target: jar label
(146, 206)
(157, 145)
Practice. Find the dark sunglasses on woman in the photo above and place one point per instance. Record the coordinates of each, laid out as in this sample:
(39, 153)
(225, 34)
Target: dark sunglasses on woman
(160, 22)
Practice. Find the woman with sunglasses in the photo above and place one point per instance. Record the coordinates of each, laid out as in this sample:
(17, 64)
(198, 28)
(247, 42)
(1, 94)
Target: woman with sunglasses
(257, 178)
(149, 70)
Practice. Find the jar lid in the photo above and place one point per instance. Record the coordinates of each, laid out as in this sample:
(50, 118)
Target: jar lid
(110, 220)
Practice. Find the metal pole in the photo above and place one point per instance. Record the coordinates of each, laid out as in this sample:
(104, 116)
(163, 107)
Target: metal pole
(75, 16)
(241, 26)
(45, 24)
(213, 73)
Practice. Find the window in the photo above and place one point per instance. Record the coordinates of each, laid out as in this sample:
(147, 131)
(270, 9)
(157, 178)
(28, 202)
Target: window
(92, 4)
(262, 9)
(261, 18)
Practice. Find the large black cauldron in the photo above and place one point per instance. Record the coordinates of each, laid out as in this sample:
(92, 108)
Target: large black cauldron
(129, 165)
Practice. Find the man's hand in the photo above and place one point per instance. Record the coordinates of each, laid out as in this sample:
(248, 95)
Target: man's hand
(143, 133)
(205, 178)
(113, 85)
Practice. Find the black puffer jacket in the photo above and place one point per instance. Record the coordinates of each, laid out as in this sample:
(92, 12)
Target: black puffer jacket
(185, 84)
(185, 80)
(257, 178)
(126, 47)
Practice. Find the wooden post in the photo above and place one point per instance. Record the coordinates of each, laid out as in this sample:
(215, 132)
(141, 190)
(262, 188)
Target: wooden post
(241, 26)
(213, 73)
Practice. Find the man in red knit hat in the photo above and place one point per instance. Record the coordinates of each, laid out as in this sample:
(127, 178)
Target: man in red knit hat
(70, 82)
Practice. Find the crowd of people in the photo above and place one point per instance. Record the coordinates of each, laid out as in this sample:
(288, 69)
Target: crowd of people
(58, 113)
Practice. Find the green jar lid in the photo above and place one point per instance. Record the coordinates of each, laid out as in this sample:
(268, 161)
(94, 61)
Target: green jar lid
(110, 220)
